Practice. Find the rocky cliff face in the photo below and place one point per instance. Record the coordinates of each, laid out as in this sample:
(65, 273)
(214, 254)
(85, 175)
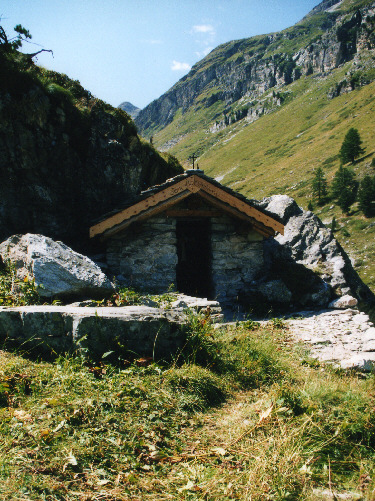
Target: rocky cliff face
(325, 5)
(65, 157)
(246, 69)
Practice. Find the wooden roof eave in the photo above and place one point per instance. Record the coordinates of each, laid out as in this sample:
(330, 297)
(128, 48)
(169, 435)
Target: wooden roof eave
(145, 214)
(240, 205)
(259, 227)
(162, 200)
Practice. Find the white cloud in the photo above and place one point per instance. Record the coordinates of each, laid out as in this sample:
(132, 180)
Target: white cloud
(204, 28)
(178, 66)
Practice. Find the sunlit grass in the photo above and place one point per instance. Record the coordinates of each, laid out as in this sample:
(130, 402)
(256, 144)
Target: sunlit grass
(236, 415)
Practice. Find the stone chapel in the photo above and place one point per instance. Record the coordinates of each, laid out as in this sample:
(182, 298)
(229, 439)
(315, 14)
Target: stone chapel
(192, 232)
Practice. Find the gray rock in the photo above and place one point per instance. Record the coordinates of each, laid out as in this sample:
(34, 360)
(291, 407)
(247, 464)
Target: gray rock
(185, 301)
(84, 304)
(369, 346)
(344, 338)
(363, 361)
(343, 302)
(328, 494)
(276, 291)
(308, 259)
(127, 331)
(282, 206)
(369, 334)
(200, 305)
(55, 267)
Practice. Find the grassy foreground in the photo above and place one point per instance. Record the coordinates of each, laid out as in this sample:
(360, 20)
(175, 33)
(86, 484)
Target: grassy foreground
(241, 413)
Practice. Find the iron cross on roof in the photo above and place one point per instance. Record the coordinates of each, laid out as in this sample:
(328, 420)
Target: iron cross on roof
(193, 157)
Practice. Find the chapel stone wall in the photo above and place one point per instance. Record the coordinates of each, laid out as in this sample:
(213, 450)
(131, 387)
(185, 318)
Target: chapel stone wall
(145, 255)
(237, 258)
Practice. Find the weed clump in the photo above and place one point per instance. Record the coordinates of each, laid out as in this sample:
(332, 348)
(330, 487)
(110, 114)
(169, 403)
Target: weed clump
(197, 387)
(15, 291)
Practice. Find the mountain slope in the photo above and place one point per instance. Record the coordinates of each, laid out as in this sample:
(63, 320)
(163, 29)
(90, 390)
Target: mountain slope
(275, 134)
(234, 81)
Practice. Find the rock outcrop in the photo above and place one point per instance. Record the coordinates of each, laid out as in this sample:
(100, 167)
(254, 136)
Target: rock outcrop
(66, 157)
(324, 5)
(308, 259)
(58, 271)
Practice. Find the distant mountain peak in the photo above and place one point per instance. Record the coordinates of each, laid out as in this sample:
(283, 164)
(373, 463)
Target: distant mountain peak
(132, 110)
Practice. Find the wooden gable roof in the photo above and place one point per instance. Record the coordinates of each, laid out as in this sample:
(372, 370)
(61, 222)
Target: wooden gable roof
(162, 197)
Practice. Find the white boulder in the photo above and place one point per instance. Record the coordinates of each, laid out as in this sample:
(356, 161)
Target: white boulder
(55, 267)
(343, 302)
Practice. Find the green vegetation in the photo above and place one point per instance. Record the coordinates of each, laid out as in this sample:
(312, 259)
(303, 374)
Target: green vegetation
(11, 44)
(351, 146)
(231, 418)
(344, 188)
(366, 196)
(319, 186)
(15, 291)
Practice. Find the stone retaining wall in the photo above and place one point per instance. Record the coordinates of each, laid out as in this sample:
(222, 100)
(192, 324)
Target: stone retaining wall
(128, 331)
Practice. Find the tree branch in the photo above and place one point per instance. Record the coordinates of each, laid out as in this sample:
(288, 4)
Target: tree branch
(30, 56)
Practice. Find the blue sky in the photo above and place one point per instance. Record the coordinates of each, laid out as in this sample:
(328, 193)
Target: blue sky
(135, 50)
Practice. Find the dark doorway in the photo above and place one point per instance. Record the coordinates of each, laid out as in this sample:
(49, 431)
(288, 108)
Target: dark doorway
(194, 257)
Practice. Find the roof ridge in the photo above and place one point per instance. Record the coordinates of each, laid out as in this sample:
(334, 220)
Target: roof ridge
(152, 190)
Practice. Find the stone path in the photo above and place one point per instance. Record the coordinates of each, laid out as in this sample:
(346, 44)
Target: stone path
(345, 338)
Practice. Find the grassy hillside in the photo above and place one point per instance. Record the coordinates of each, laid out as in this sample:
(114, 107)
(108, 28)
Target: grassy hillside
(230, 418)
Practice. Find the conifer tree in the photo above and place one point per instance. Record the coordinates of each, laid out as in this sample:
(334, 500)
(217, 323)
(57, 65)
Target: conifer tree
(366, 196)
(351, 147)
(344, 188)
(319, 186)
(8, 44)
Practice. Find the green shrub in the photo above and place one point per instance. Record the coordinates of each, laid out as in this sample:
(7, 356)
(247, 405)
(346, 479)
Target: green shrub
(124, 297)
(200, 347)
(62, 80)
(58, 93)
(290, 398)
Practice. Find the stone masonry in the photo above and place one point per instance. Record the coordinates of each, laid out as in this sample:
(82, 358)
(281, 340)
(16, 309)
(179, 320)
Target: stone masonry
(92, 331)
(145, 256)
(237, 258)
